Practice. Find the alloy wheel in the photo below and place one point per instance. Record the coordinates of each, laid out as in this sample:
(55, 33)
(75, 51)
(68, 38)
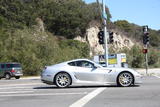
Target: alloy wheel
(125, 79)
(62, 80)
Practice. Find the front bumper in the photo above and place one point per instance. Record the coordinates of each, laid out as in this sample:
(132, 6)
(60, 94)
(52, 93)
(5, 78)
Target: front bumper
(138, 79)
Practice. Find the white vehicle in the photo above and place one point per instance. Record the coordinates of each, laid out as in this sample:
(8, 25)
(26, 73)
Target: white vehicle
(86, 71)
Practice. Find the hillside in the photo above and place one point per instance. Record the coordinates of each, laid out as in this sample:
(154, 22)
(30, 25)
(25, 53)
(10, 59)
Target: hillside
(41, 32)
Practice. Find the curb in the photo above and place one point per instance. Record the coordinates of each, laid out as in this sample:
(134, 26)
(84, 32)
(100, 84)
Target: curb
(32, 77)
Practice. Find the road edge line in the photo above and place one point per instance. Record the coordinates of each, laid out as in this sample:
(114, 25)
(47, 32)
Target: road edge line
(41, 94)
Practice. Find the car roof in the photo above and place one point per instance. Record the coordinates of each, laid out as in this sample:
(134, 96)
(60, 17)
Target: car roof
(78, 60)
(66, 62)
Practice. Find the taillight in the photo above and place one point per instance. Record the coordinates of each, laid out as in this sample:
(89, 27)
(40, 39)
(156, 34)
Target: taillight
(12, 70)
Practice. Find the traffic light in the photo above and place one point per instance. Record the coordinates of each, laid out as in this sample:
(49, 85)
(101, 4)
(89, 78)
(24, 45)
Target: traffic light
(146, 38)
(145, 35)
(111, 40)
(145, 28)
(101, 37)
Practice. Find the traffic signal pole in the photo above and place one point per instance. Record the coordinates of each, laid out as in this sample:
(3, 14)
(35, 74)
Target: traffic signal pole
(105, 42)
(105, 34)
(146, 60)
(146, 42)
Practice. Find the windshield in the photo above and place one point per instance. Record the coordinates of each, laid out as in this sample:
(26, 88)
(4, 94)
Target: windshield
(97, 64)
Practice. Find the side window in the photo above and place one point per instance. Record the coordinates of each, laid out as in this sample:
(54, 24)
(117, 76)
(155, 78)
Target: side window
(8, 65)
(79, 63)
(2, 66)
(72, 64)
(85, 64)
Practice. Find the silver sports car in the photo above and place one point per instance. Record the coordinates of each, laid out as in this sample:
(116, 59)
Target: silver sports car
(86, 71)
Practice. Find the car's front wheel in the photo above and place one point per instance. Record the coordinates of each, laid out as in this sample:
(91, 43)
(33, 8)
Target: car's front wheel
(125, 79)
(62, 80)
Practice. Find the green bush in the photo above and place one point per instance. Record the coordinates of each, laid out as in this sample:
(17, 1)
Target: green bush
(34, 50)
(136, 59)
(154, 58)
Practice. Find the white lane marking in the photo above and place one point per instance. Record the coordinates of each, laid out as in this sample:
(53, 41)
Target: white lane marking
(156, 76)
(16, 88)
(43, 94)
(87, 98)
(23, 84)
(15, 92)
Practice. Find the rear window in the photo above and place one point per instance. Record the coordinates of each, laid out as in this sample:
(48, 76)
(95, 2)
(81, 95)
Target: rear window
(13, 65)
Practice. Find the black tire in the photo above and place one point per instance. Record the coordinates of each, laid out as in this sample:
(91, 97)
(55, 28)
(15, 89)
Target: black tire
(17, 77)
(62, 80)
(125, 79)
(7, 76)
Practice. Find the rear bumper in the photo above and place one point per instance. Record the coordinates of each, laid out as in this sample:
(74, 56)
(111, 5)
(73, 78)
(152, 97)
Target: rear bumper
(46, 78)
(17, 75)
(47, 82)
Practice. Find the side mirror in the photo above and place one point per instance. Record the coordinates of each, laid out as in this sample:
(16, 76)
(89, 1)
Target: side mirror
(95, 66)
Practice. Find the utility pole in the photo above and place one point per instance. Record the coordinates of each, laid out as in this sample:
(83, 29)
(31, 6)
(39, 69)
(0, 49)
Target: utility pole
(105, 33)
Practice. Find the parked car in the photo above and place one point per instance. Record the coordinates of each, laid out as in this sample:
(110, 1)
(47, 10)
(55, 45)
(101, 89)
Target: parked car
(8, 70)
(86, 71)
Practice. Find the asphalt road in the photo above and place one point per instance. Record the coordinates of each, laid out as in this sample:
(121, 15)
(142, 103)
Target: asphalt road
(32, 93)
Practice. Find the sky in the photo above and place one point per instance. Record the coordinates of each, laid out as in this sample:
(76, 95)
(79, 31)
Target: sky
(140, 12)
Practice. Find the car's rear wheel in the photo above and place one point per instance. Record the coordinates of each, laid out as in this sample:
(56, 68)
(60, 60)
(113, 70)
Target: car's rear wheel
(17, 77)
(7, 76)
(125, 79)
(62, 80)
